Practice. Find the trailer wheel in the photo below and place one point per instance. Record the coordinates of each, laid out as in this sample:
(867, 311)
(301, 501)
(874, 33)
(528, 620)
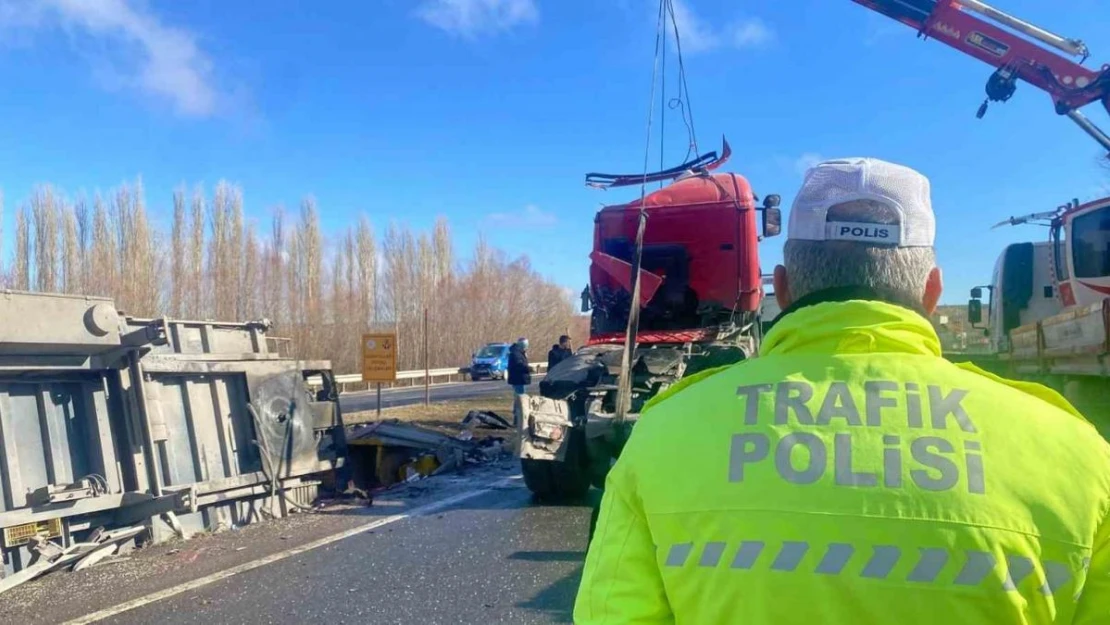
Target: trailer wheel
(553, 481)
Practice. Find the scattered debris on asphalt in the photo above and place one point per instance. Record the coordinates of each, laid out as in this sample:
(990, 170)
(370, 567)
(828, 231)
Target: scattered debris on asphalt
(487, 419)
(50, 556)
(391, 452)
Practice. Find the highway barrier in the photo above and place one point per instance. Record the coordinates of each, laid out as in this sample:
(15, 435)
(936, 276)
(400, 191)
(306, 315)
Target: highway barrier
(410, 378)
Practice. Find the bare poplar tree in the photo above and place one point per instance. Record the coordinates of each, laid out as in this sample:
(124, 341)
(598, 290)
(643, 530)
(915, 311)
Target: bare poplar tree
(337, 321)
(367, 273)
(84, 242)
(311, 244)
(321, 290)
(23, 249)
(252, 288)
(104, 265)
(235, 251)
(178, 273)
(73, 272)
(44, 213)
(274, 302)
(145, 262)
(195, 296)
(218, 249)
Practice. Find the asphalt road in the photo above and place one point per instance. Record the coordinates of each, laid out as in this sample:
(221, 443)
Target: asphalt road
(367, 400)
(494, 558)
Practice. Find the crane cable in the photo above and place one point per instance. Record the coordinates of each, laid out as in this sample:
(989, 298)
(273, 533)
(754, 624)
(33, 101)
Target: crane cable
(683, 99)
(624, 384)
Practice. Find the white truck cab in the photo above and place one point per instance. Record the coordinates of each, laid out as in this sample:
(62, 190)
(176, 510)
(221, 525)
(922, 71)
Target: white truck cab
(1023, 291)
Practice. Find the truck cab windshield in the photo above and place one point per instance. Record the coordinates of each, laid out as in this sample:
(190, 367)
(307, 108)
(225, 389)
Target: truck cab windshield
(1091, 243)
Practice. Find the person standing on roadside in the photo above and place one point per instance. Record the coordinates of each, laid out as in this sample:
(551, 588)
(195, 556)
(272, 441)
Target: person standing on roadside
(850, 474)
(520, 372)
(519, 375)
(559, 352)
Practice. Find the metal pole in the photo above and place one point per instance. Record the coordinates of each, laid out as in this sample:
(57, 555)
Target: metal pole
(379, 400)
(1090, 128)
(1071, 46)
(427, 366)
(150, 454)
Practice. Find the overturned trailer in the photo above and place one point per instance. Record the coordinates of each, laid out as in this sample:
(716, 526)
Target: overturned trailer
(108, 420)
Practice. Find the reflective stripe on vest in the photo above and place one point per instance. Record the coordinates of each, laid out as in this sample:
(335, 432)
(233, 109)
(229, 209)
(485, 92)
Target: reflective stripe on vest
(963, 567)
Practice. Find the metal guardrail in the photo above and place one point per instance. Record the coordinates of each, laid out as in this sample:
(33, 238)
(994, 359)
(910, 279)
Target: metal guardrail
(409, 376)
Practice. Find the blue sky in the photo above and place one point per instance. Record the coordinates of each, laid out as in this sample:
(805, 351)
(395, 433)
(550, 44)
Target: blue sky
(490, 111)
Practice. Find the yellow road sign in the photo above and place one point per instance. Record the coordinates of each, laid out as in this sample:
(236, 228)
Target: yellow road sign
(379, 357)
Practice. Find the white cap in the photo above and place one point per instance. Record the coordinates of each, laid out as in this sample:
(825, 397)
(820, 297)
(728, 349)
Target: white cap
(904, 191)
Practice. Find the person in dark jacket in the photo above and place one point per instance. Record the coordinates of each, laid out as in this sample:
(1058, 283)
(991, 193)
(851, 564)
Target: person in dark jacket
(520, 373)
(559, 352)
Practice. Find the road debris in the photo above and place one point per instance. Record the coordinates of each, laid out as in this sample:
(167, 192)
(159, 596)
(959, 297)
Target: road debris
(50, 556)
(487, 419)
(96, 557)
(385, 453)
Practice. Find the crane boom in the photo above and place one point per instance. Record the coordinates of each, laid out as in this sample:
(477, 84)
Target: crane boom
(958, 24)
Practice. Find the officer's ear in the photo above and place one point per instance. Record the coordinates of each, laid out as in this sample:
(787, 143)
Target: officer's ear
(782, 288)
(934, 286)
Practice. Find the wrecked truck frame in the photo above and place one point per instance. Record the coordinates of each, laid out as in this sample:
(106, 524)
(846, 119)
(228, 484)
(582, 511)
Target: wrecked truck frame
(109, 421)
(570, 435)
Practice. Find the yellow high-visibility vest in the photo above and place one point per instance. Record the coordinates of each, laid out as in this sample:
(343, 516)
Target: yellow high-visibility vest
(850, 475)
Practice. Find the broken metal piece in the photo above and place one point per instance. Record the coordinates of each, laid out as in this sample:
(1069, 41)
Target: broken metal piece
(96, 556)
(171, 519)
(45, 548)
(488, 419)
(705, 163)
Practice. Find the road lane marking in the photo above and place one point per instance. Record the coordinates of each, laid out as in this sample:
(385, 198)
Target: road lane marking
(430, 508)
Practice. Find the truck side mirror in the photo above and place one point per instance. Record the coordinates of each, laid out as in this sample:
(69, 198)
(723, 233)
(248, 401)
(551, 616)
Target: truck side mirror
(586, 304)
(975, 311)
(977, 293)
(772, 221)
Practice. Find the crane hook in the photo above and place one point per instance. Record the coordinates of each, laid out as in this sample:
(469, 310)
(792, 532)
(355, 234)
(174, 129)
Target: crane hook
(1000, 87)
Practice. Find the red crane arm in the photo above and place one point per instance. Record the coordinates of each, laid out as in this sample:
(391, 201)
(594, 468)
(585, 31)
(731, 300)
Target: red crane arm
(955, 23)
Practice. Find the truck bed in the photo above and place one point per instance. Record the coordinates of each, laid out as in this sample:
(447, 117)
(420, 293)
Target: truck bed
(1076, 342)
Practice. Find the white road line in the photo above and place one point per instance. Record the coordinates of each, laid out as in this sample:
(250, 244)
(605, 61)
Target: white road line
(270, 559)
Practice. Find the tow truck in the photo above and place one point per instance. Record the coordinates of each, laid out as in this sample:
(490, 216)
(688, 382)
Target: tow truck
(1048, 312)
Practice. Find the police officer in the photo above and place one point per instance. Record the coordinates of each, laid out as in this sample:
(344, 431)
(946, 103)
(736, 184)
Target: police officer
(850, 474)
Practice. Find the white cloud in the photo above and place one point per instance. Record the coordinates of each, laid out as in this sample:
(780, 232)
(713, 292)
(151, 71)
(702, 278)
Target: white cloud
(146, 55)
(531, 217)
(474, 18)
(695, 33)
(699, 35)
(751, 33)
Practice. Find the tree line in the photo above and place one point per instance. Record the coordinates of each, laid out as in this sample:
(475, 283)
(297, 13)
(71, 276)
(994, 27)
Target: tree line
(319, 290)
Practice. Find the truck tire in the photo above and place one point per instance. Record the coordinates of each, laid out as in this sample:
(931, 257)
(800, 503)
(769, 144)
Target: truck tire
(552, 481)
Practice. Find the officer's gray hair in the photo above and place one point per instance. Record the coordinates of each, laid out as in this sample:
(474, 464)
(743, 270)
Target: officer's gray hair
(813, 266)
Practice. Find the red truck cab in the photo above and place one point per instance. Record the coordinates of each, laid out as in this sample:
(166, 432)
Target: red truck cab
(700, 265)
